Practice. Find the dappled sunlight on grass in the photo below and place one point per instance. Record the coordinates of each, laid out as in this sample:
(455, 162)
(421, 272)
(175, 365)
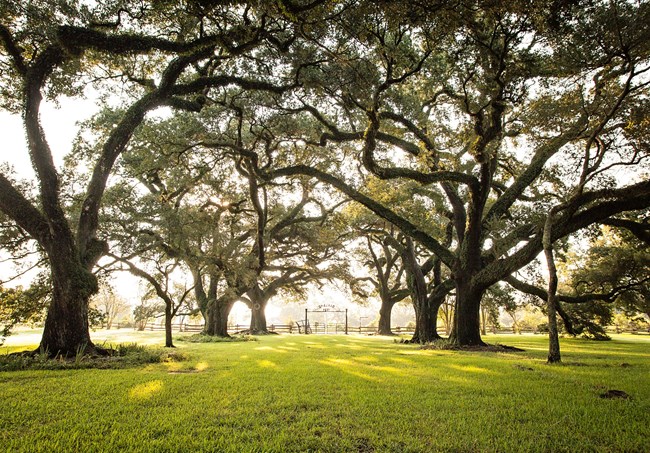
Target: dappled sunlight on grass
(350, 346)
(267, 364)
(269, 348)
(466, 382)
(390, 369)
(201, 366)
(355, 393)
(471, 369)
(368, 358)
(146, 390)
(402, 360)
(349, 367)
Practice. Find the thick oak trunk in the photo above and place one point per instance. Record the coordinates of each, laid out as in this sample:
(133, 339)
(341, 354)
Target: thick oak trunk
(209, 327)
(218, 312)
(426, 321)
(168, 327)
(426, 308)
(66, 330)
(259, 299)
(258, 318)
(466, 330)
(385, 313)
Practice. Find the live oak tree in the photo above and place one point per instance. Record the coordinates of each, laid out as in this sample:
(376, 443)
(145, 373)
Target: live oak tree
(516, 115)
(183, 205)
(303, 247)
(55, 49)
(614, 271)
(110, 304)
(386, 273)
(616, 261)
(158, 272)
(493, 106)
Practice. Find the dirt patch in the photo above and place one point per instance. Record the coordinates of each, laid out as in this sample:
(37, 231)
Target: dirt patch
(615, 394)
(523, 368)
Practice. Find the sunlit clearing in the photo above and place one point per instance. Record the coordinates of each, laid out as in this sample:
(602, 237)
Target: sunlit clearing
(146, 391)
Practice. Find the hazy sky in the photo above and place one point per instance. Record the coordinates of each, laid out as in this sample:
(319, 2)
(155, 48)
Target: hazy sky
(60, 125)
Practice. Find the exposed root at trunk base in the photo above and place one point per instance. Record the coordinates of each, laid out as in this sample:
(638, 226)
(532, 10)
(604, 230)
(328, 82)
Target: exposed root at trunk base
(256, 332)
(417, 341)
(89, 350)
(446, 346)
(389, 334)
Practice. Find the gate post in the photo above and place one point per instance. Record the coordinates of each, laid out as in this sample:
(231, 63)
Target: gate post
(306, 321)
(346, 321)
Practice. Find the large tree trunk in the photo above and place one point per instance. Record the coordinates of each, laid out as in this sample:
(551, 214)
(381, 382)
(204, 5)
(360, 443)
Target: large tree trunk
(426, 320)
(426, 308)
(66, 329)
(385, 313)
(218, 312)
(168, 326)
(211, 317)
(554, 355)
(258, 317)
(221, 321)
(259, 299)
(466, 330)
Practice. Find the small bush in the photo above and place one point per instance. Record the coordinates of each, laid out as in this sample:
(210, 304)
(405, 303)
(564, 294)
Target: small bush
(119, 356)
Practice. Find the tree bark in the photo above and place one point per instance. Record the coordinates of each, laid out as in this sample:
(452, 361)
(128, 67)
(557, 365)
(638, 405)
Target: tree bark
(168, 327)
(66, 330)
(426, 308)
(426, 321)
(554, 355)
(218, 312)
(466, 330)
(258, 300)
(210, 326)
(221, 321)
(258, 317)
(385, 314)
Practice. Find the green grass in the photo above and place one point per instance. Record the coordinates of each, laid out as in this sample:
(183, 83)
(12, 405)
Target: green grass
(337, 393)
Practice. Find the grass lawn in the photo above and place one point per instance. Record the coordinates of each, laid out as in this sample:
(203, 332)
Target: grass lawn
(338, 393)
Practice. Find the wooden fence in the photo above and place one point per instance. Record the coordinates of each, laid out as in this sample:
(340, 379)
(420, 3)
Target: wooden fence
(339, 328)
(315, 328)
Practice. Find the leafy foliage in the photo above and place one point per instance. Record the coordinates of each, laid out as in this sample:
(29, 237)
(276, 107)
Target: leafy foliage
(23, 306)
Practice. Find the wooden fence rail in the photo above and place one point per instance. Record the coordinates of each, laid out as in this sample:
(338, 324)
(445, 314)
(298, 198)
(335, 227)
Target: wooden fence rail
(339, 328)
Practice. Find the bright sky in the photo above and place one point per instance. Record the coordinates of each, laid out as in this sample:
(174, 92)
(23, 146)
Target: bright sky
(60, 126)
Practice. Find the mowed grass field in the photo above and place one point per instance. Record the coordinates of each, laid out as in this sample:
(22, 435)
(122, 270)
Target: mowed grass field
(337, 393)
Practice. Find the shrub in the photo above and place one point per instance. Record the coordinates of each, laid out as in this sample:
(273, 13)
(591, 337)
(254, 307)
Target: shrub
(203, 338)
(119, 356)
